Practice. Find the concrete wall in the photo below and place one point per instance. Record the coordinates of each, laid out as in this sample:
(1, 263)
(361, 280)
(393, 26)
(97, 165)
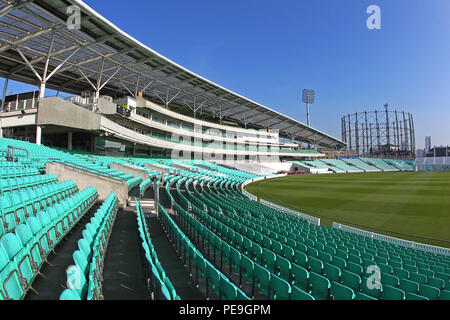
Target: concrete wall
(85, 179)
(17, 119)
(127, 169)
(106, 107)
(63, 113)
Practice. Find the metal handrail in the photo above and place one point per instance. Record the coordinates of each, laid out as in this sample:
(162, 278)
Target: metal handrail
(18, 148)
(79, 166)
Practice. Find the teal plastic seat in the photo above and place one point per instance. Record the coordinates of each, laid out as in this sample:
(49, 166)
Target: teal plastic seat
(319, 286)
(227, 290)
(351, 280)
(371, 287)
(340, 292)
(315, 265)
(429, 292)
(392, 293)
(409, 286)
(80, 260)
(84, 247)
(332, 272)
(279, 288)
(262, 279)
(445, 295)
(301, 258)
(435, 282)
(77, 281)
(69, 294)
(282, 268)
(299, 294)
(413, 296)
(390, 280)
(300, 277)
(10, 282)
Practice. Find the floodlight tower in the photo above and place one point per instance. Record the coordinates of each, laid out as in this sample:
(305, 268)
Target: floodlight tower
(308, 98)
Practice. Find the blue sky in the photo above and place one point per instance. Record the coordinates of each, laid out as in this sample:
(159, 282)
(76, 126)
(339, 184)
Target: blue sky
(269, 50)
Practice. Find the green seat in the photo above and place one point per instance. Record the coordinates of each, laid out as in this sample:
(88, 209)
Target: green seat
(435, 282)
(371, 287)
(262, 279)
(355, 268)
(319, 286)
(391, 293)
(279, 288)
(390, 280)
(227, 290)
(301, 258)
(339, 262)
(409, 286)
(429, 292)
(412, 296)
(315, 265)
(332, 272)
(351, 280)
(247, 268)
(282, 268)
(400, 273)
(299, 294)
(268, 260)
(340, 292)
(417, 277)
(445, 295)
(69, 294)
(299, 277)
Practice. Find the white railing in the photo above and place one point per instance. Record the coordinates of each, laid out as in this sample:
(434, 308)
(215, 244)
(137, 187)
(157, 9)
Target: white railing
(393, 240)
(23, 104)
(310, 219)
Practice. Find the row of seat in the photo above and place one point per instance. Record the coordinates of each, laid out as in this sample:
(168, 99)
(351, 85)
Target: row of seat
(215, 280)
(19, 205)
(159, 283)
(437, 282)
(10, 184)
(91, 251)
(249, 264)
(320, 271)
(18, 172)
(23, 252)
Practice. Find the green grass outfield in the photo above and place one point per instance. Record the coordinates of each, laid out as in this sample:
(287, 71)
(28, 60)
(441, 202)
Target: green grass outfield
(408, 205)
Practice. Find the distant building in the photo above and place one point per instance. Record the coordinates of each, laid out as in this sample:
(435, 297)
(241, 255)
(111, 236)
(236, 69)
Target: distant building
(427, 144)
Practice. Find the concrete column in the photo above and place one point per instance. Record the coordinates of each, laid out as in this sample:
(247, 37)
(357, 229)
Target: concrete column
(69, 140)
(42, 90)
(5, 88)
(38, 135)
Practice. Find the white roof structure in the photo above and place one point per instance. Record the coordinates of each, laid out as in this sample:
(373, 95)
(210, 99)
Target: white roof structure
(37, 46)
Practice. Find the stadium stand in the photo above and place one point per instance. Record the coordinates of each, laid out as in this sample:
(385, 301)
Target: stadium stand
(358, 163)
(380, 164)
(402, 165)
(235, 247)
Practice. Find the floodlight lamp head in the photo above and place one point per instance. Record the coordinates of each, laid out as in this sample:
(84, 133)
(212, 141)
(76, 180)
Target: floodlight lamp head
(308, 96)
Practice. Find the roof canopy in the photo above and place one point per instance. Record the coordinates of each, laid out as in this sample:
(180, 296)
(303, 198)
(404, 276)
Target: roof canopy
(36, 45)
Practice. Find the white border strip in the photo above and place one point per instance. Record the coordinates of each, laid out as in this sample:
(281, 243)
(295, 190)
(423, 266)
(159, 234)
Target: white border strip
(396, 241)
